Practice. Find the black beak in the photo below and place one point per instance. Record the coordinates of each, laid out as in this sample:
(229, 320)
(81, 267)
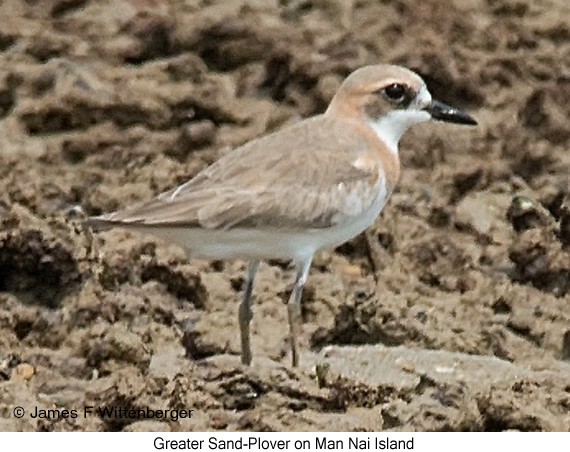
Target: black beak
(443, 112)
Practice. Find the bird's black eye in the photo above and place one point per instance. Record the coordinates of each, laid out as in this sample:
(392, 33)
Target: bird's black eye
(395, 92)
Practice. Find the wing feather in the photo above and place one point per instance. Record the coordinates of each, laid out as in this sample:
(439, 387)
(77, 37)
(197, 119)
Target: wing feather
(303, 176)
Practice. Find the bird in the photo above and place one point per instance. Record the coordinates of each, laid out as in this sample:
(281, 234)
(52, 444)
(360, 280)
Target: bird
(307, 187)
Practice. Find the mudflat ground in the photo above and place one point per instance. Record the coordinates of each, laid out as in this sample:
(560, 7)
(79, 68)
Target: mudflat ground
(451, 313)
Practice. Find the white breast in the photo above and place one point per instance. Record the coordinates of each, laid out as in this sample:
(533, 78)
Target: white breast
(338, 234)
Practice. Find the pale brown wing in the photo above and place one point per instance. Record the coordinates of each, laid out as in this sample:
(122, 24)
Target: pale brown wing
(299, 177)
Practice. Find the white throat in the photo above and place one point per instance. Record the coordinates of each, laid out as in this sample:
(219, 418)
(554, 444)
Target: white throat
(390, 127)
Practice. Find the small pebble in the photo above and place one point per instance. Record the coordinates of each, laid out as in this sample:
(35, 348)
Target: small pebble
(23, 371)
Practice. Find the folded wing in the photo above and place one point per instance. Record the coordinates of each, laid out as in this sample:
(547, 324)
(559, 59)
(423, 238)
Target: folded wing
(290, 180)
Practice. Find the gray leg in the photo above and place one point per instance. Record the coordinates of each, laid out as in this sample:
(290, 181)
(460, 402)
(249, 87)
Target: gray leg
(246, 313)
(294, 308)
